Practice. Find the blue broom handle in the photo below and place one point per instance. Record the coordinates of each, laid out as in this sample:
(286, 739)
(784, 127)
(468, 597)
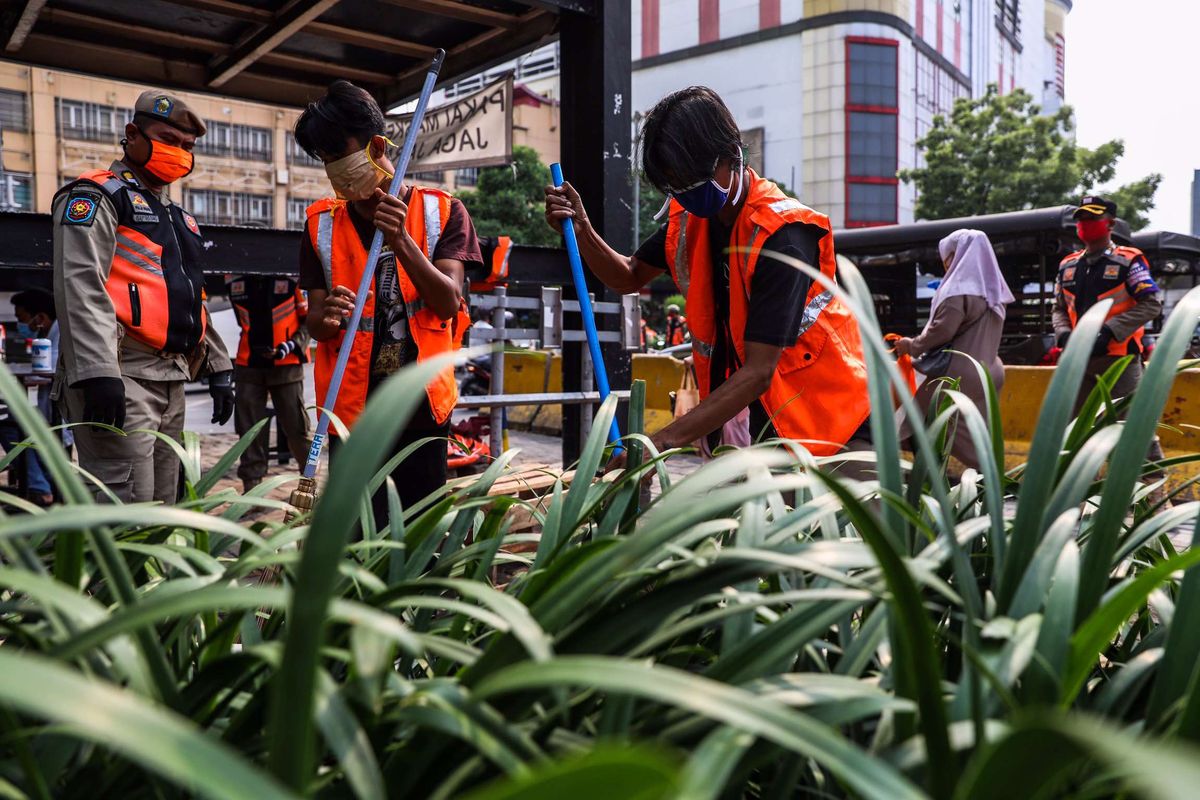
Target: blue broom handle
(585, 309)
(368, 276)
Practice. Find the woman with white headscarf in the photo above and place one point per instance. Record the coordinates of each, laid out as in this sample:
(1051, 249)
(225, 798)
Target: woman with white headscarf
(967, 316)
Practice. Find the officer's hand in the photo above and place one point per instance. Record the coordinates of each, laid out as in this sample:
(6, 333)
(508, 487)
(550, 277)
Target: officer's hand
(390, 215)
(339, 304)
(1062, 339)
(563, 202)
(1100, 348)
(220, 386)
(103, 400)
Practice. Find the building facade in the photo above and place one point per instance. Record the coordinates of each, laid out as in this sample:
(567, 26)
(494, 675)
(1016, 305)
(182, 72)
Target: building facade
(833, 95)
(249, 170)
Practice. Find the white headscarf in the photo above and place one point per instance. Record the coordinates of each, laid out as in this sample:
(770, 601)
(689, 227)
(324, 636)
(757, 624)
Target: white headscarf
(973, 270)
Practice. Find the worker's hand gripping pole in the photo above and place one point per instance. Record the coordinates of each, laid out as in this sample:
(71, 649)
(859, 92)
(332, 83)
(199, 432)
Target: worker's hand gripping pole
(585, 309)
(304, 496)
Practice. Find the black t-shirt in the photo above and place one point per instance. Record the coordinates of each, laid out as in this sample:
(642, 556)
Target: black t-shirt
(777, 296)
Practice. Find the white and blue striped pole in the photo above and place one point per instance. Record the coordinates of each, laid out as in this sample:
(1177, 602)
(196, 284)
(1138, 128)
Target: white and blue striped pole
(368, 276)
(585, 310)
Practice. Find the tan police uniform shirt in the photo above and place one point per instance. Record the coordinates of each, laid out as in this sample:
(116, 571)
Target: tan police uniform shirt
(93, 342)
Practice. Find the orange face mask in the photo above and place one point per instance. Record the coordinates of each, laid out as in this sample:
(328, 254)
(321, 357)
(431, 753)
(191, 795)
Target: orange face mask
(167, 162)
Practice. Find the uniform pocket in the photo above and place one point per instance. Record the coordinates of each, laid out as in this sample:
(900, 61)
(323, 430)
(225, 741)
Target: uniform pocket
(135, 306)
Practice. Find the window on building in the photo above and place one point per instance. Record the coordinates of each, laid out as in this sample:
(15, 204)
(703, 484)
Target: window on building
(296, 154)
(14, 111)
(1008, 19)
(872, 135)
(436, 178)
(297, 212)
(753, 138)
(238, 141)
(90, 121)
(215, 207)
(467, 176)
(16, 191)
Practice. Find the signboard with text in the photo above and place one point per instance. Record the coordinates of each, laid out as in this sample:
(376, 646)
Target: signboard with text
(470, 131)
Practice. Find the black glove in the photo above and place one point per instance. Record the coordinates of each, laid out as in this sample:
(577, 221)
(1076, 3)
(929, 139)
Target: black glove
(1100, 348)
(103, 400)
(284, 350)
(1062, 339)
(220, 386)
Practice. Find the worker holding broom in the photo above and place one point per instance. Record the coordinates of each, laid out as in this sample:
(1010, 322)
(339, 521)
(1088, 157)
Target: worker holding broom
(764, 334)
(416, 310)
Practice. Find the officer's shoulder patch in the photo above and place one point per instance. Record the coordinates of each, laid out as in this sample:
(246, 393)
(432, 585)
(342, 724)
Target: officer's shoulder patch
(283, 287)
(190, 221)
(1069, 274)
(1112, 271)
(237, 287)
(80, 209)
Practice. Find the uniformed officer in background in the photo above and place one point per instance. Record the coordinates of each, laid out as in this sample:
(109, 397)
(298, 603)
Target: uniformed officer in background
(270, 361)
(129, 290)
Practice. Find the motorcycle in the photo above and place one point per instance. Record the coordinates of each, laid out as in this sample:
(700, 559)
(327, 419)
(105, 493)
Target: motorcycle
(478, 377)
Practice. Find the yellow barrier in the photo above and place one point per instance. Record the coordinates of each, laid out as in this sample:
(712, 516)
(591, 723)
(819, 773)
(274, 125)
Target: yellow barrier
(1021, 402)
(532, 371)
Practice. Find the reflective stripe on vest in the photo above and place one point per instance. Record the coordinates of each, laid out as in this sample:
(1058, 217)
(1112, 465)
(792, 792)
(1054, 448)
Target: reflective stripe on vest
(433, 224)
(325, 245)
(813, 310)
(703, 348)
(682, 273)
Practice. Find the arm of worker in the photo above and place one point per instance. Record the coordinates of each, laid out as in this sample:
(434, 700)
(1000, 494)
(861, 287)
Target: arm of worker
(944, 325)
(1149, 305)
(1059, 316)
(217, 355)
(620, 273)
(301, 339)
(725, 402)
(85, 238)
(439, 282)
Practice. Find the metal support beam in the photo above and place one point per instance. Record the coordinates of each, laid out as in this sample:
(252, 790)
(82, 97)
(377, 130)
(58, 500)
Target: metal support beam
(578, 6)
(596, 143)
(287, 21)
(24, 24)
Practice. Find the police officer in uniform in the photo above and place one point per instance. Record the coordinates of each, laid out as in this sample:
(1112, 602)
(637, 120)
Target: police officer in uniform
(130, 293)
(271, 353)
(1103, 270)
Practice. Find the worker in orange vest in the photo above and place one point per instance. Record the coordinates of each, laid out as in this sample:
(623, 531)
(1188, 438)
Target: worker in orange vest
(129, 289)
(1103, 270)
(416, 310)
(271, 354)
(677, 332)
(764, 334)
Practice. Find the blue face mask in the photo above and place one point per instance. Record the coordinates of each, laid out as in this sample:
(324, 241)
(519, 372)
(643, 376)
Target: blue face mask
(706, 198)
(26, 331)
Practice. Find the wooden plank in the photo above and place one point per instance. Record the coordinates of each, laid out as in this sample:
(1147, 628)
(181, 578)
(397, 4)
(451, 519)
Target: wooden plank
(459, 10)
(24, 24)
(287, 21)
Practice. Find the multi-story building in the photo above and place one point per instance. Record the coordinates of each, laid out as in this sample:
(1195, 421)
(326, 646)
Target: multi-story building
(1196, 202)
(57, 124)
(835, 94)
(249, 170)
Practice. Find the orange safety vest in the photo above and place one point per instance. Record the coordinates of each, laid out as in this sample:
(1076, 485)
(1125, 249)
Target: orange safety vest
(270, 311)
(1111, 283)
(818, 394)
(498, 273)
(343, 258)
(156, 279)
(676, 330)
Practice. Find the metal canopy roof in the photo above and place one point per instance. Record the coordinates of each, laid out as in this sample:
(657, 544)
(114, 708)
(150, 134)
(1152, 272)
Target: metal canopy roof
(276, 51)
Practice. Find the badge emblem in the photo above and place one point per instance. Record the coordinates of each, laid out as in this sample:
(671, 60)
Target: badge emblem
(1112, 271)
(81, 210)
(129, 177)
(1069, 274)
(237, 287)
(190, 221)
(283, 287)
(162, 106)
(139, 203)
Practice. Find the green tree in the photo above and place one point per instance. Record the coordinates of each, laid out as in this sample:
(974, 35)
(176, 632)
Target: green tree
(509, 200)
(999, 153)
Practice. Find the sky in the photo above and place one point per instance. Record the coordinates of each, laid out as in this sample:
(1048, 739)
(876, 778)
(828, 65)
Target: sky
(1130, 70)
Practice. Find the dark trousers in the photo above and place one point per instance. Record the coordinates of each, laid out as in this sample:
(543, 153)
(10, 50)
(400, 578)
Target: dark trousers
(417, 476)
(251, 406)
(1126, 385)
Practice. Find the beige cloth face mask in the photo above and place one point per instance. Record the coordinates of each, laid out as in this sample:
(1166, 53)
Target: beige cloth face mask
(356, 176)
